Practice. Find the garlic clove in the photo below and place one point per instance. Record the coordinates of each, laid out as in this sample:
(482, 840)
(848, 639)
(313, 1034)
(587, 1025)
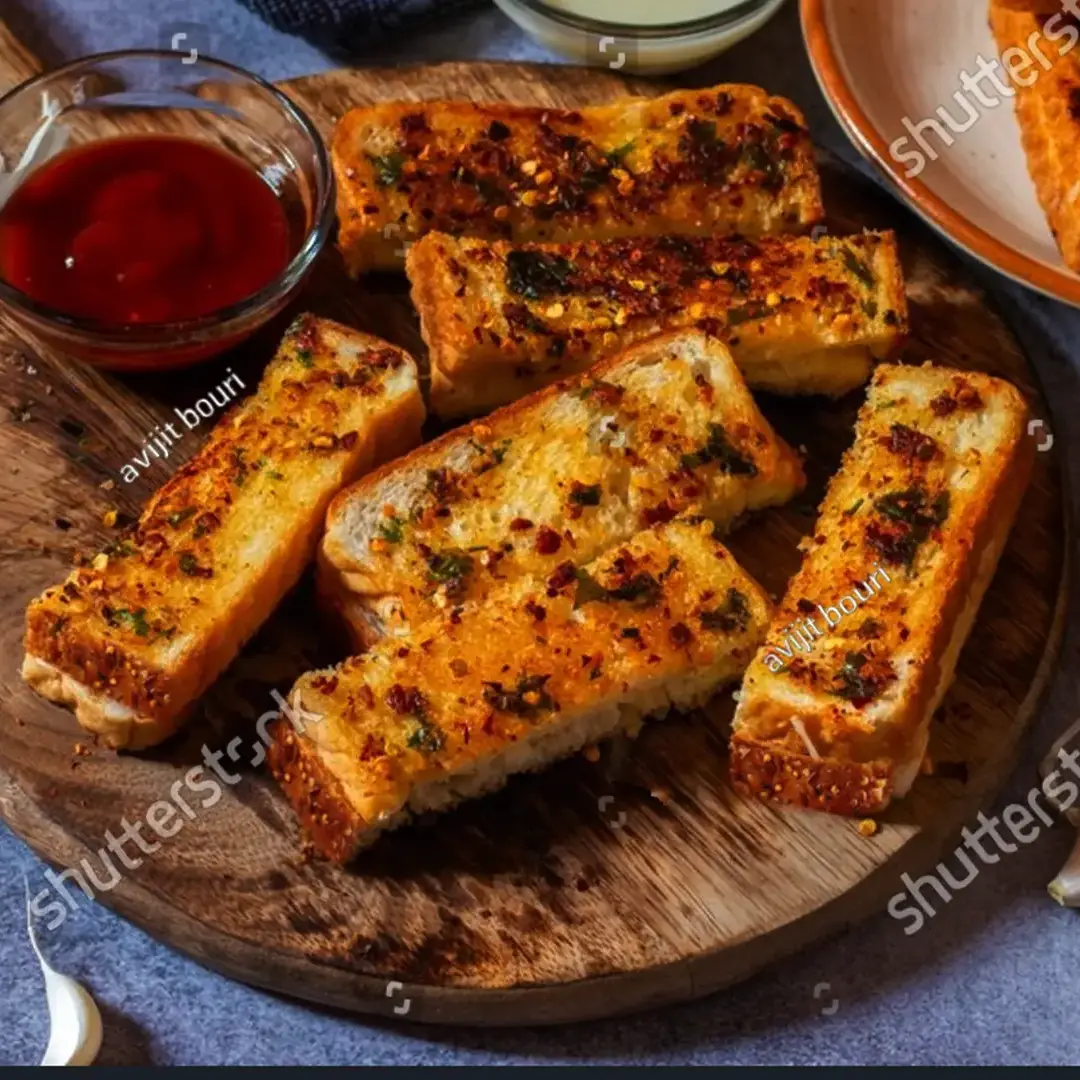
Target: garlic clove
(74, 1020)
(1065, 888)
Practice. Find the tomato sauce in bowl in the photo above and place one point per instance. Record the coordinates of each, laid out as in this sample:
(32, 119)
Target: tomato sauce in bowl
(143, 229)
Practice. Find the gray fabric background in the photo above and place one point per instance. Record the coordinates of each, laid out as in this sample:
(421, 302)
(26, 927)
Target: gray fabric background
(993, 979)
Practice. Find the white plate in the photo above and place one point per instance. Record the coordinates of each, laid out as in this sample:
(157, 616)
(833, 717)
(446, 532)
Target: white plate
(880, 62)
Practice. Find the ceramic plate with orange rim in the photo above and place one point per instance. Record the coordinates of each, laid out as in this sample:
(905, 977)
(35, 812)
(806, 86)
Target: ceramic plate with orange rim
(887, 67)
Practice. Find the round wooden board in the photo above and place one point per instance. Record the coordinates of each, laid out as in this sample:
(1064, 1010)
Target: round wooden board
(572, 894)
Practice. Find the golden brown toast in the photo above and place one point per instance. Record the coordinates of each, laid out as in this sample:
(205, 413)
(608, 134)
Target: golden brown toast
(132, 640)
(835, 710)
(695, 162)
(801, 315)
(1048, 110)
(551, 482)
(532, 675)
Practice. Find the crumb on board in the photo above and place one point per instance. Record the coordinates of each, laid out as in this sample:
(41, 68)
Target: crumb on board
(661, 794)
(591, 753)
(868, 827)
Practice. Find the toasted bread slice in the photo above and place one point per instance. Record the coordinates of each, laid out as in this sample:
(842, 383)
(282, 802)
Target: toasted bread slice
(531, 675)
(132, 640)
(1047, 111)
(695, 162)
(801, 315)
(906, 543)
(551, 482)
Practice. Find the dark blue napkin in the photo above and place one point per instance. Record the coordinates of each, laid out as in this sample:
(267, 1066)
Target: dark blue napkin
(347, 25)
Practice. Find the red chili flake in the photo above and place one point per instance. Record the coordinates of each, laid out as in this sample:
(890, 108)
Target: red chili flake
(657, 515)
(325, 684)
(943, 405)
(348, 440)
(537, 611)
(367, 698)
(405, 700)
(909, 443)
(374, 747)
(414, 122)
(520, 524)
(548, 541)
(565, 574)
(680, 635)
(967, 397)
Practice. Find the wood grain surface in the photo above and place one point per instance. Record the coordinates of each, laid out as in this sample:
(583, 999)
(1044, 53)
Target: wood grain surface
(589, 890)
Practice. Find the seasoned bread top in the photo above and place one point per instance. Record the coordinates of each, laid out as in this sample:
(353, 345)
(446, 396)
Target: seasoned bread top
(730, 159)
(910, 511)
(670, 603)
(1046, 106)
(558, 477)
(145, 606)
(559, 306)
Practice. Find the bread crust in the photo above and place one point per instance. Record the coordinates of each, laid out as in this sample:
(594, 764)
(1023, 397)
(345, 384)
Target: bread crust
(801, 315)
(1049, 114)
(552, 479)
(131, 640)
(695, 162)
(845, 727)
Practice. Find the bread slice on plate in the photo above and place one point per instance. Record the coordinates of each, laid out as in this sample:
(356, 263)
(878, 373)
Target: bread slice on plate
(835, 710)
(1046, 106)
(536, 673)
(694, 162)
(132, 640)
(801, 315)
(551, 482)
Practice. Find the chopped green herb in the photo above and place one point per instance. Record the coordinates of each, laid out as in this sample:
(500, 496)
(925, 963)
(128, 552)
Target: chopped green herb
(131, 620)
(733, 614)
(188, 564)
(534, 275)
(58, 625)
(720, 450)
(452, 569)
(870, 309)
(527, 698)
(305, 357)
(178, 517)
(275, 475)
(392, 530)
(855, 687)
(619, 154)
(585, 495)
(426, 738)
(388, 167)
(642, 590)
(910, 509)
(745, 313)
(858, 268)
(853, 508)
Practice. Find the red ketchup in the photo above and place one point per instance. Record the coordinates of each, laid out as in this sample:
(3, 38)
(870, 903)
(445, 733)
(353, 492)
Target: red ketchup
(143, 229)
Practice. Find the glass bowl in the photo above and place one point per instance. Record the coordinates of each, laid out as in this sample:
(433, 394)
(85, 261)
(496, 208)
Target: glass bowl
(157, 93)
(654, 44)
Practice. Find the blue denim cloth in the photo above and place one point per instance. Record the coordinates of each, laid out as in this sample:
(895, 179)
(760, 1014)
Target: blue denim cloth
(345, 25)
